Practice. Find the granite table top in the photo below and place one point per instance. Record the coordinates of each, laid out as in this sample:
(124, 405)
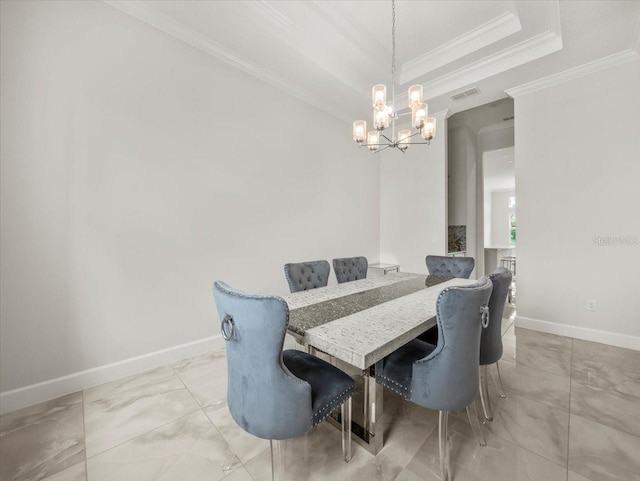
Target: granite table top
(363, 321)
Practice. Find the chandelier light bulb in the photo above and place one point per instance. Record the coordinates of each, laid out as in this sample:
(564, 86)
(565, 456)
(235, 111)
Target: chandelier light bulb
(429, 129)
(359, 130)
(379, 96)
(415, 96)
(373, 140)
(403, 139)
(381, 119)
(419, 116)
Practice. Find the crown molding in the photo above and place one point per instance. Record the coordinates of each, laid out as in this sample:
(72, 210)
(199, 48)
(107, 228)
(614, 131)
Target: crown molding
(573, 73)
(281, 22)
(144, 13)
(508, 124)
(348, 27)
(519, 54)
(486, 34)
(441, 114)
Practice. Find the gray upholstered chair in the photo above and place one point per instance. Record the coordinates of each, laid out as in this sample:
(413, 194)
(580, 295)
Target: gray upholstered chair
(349, 269)
(302, 276)
(444, 377)
(274, 394)
(491, 340)
(444, 266)
(450, 266)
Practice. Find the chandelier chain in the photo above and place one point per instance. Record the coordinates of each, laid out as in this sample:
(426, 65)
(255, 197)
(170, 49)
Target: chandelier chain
(393, 37)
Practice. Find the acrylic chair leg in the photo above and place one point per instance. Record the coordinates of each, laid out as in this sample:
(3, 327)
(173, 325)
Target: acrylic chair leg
(345, 411)
(443, 431)
(231, 460)
(503, 394)
(276, 460)
(484, 394)
(472, 414)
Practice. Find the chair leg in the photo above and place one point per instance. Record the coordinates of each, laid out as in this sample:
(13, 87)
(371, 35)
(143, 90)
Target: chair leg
(345, 410)
(231, 460)
(276, 460)
(443, 431)
(475, 425)
(503, 394)
(484, 393)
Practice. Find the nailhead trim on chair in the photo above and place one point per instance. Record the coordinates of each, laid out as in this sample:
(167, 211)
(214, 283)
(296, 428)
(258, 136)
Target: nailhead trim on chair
(387, 380)
(331, 405)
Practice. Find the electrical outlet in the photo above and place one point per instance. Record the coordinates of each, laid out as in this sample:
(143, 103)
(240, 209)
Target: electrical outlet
(591, 305)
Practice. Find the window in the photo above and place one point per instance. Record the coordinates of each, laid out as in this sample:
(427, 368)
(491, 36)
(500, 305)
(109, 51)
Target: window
(512, 228)
(512, 220)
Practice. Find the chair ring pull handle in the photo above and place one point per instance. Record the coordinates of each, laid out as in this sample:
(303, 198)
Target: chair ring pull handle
(484, 316)
(227, 322)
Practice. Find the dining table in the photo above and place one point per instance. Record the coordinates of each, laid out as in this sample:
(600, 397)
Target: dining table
(360, 322)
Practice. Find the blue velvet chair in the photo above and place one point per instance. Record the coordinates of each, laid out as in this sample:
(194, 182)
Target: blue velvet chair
(445, 376)
(445, 266)
(491, 340)
(274, 394)
(349, 269)
(302, 276)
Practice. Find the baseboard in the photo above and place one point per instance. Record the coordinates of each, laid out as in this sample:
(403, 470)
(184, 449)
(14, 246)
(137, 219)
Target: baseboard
(584, 333)
(43, 391)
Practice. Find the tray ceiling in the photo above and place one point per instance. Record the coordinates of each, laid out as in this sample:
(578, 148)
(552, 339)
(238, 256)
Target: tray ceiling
(330, 53)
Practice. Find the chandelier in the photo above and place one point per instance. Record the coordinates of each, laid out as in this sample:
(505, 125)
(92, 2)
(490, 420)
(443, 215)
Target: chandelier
(385, 115)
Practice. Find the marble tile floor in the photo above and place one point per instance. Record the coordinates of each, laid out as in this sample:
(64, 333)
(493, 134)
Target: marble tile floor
(572, 413)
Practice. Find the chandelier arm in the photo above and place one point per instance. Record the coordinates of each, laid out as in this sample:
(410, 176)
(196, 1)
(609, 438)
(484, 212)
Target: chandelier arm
(388, 139)
(383, 148)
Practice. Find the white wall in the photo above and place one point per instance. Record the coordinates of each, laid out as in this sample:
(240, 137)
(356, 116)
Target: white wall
(457, 140)
(488, 141)
(500, 211)
(136, 170)
(462, 182)
(577, 171)
(413, 196)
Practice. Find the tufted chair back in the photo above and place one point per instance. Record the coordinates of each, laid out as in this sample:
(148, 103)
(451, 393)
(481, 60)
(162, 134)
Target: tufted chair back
(302, 276)
(447, 378)
(350, 269)
(264, 398)
(450, 266)
(491, 341)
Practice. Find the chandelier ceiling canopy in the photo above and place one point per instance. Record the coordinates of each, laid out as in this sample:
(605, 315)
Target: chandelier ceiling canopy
(385, 114)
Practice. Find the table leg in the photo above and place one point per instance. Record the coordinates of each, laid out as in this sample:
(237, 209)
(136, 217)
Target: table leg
(374, 409)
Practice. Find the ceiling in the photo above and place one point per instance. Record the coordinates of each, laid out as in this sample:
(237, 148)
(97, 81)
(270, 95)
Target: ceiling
(330, 53)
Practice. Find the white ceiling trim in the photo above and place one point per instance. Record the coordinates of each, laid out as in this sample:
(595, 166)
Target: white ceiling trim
(160, 21)
(268, 12)
(350, 29)
(573, 73)
(495, 29)
(521, 53)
